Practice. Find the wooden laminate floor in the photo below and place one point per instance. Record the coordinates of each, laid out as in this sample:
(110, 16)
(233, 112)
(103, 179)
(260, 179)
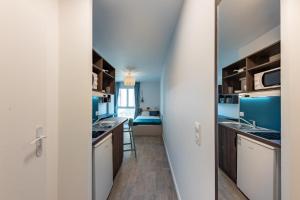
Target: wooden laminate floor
(148, 177)
(227, 189)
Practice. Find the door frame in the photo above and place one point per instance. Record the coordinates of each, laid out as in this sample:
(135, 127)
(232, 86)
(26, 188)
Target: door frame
(216, 99)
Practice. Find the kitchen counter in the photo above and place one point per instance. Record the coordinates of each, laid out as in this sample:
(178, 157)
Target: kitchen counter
(274, 143)
(222, 118)
(117, 121)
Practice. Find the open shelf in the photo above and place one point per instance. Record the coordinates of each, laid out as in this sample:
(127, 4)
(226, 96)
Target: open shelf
(96, 67)
(236, 75)
(105, 73)
(265, 59)
(108, 75)
(265, 66)
(231, 69)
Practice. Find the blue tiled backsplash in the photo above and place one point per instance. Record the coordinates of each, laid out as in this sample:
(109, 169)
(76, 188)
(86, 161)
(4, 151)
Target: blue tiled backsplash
(264, 110)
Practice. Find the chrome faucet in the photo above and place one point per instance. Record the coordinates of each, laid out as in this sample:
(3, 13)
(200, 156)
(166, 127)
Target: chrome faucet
(96, 122)
(253, 124)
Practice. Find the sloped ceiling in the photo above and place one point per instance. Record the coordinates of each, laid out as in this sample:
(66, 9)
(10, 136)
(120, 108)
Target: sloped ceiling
(135, 34)
(242, 21)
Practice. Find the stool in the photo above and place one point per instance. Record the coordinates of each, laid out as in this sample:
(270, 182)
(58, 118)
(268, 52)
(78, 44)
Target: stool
(132, 141)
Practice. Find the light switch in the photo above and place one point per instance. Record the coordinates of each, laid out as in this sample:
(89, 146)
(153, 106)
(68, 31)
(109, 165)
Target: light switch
(197, 127)
(198, 133)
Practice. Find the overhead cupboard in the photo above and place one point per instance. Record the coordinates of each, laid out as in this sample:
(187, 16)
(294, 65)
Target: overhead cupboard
(103, 77)
(259, 71)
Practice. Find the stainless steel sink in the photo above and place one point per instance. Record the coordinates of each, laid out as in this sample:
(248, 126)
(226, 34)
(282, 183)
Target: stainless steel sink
(242, 126)
(257, 131)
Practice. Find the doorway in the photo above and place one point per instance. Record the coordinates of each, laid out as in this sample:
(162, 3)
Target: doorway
(248, 110)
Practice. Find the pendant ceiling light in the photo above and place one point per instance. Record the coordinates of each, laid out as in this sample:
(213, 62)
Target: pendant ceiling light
(129, 80)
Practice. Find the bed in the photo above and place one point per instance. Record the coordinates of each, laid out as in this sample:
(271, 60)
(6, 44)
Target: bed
(147, 126)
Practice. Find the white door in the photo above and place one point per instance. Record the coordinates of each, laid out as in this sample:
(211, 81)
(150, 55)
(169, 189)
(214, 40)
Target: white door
(23, 63)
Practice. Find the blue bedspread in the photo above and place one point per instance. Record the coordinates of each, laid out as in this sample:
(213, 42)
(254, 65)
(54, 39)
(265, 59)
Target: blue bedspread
(146, 121)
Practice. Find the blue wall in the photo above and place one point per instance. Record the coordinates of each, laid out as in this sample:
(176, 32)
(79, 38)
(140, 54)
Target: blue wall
(264, 110)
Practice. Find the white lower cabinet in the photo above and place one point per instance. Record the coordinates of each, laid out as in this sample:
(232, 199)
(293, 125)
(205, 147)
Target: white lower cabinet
(102, 168)
(258, 169)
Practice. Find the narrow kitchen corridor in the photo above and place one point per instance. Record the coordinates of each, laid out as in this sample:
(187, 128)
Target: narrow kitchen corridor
(148, 177)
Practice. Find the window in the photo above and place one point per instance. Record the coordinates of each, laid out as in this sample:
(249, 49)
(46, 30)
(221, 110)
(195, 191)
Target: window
(126, 103)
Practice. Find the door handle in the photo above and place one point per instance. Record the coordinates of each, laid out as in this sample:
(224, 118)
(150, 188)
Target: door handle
(38, 141)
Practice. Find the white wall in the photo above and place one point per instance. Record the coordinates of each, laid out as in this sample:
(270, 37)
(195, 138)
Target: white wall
(150, 91)
(261, 42)
(290, 98)
(188, 96)
(75, 99)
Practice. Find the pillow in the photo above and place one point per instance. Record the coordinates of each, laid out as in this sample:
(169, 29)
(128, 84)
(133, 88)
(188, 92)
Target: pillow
(145, 113)
(154, 113)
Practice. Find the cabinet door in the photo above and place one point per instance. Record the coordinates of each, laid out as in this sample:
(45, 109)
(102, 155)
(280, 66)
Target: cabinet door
(231, 154)
(117, 148)
(103, 169)
(221, 147)
(227, 151)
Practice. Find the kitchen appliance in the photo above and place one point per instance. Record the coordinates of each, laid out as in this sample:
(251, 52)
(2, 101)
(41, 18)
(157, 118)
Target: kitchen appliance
(267, 79)
(243, 84)
(106, 99)
(230, 90)
(102, 168)
(258, 169)
(239, 70)
(107, 90)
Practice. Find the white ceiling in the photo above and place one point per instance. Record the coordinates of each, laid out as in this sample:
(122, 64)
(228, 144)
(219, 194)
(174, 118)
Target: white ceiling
(135, 34)
(242, 21)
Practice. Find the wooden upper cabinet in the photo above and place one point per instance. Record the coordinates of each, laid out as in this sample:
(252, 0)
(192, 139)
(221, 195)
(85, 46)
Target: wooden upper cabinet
(105, 74)
(262, 60)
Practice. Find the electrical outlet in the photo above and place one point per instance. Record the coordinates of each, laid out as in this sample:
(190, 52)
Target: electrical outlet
(97, 113)
(242, 114)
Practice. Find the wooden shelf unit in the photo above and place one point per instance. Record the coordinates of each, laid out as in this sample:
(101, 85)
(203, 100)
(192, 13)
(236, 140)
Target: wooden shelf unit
(252, 64)
(106, 74)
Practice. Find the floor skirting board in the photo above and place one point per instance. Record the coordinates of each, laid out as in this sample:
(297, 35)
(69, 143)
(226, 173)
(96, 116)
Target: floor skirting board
(172, 171)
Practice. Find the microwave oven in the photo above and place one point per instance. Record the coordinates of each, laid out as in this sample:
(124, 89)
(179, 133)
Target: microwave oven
(267, 79)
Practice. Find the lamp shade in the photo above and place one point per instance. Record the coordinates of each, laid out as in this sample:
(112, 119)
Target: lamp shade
(129, 80)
